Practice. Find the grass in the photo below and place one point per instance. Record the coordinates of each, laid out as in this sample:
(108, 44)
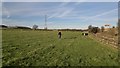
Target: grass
(43, 48)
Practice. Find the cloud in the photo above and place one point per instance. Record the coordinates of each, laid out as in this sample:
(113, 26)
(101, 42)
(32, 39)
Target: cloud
(99, 15)
(9, 22)
(25, 12)
(105, 13)
(5, 12)
(64, 14)
(60, 1)
(58, 12)
(64, 11)
(60, 9)
(50, 22)
(53, 15)
(0, 13)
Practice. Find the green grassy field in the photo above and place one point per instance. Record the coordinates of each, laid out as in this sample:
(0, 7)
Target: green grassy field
(43, 48)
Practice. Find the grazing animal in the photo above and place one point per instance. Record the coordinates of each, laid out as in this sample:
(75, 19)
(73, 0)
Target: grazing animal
(82, 33)
(85, 34)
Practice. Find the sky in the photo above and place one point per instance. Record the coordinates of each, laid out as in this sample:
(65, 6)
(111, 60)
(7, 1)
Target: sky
(60, 15)
(60, 0)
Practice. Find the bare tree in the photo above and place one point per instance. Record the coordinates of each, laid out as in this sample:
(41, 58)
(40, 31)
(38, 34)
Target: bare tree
(35, 27)
(113, 26)
(102, 28)
(95, 30)
(89, 28)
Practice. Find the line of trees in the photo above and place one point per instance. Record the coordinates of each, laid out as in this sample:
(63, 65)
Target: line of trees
(112, 31)
(14, 27)
(93, 29)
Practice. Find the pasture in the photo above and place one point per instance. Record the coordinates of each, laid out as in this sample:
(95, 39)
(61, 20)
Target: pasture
(43, 48)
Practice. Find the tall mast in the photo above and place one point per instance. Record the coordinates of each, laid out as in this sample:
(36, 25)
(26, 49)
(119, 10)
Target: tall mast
(45, 21)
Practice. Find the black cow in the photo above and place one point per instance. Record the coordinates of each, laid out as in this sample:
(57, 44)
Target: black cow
(85, 34)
